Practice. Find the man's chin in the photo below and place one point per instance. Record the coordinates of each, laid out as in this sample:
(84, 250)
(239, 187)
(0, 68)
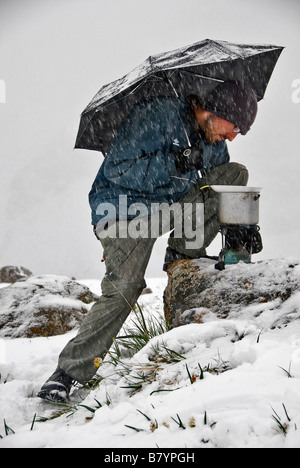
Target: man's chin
(211, 141)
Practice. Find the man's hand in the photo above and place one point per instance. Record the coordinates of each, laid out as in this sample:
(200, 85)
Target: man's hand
(189, 159)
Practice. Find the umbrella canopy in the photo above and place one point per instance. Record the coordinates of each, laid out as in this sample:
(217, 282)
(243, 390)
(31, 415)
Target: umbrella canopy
(195, 69)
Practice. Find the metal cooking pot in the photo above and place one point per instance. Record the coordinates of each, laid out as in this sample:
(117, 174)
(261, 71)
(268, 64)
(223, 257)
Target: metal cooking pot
(238, 204)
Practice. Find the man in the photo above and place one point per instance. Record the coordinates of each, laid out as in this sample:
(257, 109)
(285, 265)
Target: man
(157, 157)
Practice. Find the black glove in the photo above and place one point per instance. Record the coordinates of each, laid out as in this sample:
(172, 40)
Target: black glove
(189, 159)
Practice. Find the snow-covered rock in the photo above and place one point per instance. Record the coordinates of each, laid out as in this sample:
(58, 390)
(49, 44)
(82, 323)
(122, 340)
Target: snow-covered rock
(11, 274)
(197, 292)
(45, 305)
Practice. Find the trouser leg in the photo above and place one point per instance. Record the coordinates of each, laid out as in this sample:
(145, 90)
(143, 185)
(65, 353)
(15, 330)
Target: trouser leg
(227, 174)
(126, 262)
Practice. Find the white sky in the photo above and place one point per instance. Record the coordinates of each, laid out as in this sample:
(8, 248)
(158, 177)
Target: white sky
(56, 54)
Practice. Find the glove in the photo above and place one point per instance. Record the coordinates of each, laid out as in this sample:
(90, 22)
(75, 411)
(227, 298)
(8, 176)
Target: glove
(189, 159)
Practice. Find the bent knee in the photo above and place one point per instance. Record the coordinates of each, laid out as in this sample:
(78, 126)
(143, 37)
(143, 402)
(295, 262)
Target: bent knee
(114, 286)
(239, 173)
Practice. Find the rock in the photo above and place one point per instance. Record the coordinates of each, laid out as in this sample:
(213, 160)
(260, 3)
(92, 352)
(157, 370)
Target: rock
(43, 306)
(11, 274)
(197, 292)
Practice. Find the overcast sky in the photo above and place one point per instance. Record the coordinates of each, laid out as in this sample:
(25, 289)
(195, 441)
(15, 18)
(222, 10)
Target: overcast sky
(56, 54)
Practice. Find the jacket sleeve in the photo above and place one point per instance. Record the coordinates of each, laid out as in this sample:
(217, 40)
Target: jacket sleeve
(214, 155)
(140, 158)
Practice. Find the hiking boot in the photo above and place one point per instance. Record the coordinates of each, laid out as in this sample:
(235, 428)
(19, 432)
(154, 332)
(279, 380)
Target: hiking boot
(57, 388)
(173, 256)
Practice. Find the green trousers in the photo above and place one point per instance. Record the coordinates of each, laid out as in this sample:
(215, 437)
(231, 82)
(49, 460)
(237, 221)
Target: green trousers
(126, 260)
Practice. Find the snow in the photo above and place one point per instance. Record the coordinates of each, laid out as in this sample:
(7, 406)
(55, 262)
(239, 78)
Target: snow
(249, 396)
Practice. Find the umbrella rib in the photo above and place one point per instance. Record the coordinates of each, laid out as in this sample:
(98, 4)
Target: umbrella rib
(136, 88)
(131, 92)
(200, 76)
(172, 86)
(177, 96)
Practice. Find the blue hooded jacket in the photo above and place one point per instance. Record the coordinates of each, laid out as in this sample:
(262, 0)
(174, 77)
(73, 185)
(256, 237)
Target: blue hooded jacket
(140, 162)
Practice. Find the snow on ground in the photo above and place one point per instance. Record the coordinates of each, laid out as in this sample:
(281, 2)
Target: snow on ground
(222, 384)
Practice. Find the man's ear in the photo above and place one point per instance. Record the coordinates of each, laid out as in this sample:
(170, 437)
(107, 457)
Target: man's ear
(201, 115)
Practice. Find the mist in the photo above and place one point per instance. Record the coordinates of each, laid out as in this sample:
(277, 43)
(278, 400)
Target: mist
(56, 55)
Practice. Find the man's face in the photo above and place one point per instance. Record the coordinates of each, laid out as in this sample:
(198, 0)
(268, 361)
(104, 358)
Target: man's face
(216, 129)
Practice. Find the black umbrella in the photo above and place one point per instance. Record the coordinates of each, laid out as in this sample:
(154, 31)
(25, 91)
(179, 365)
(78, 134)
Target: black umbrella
(195, 69)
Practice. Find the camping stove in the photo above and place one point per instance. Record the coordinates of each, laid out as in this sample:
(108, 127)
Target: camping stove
(238, 214)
